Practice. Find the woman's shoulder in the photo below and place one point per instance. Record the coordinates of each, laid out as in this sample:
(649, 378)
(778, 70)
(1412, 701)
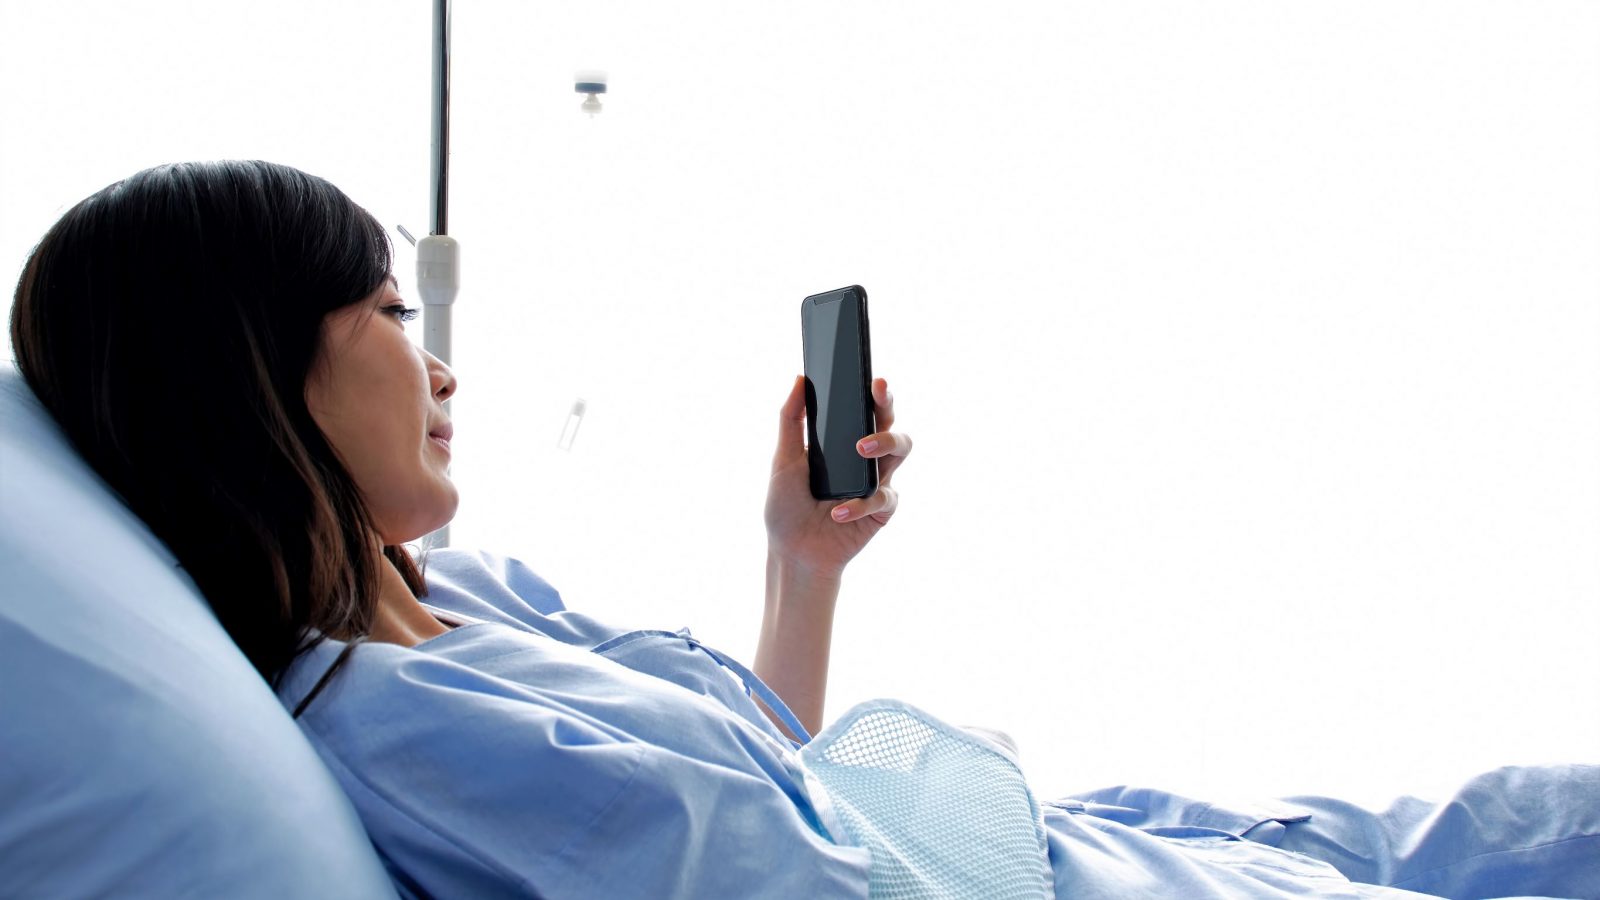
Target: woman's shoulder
(458, 775)
(491, 583)
(487, 587)
(484, 675)
(392, 712)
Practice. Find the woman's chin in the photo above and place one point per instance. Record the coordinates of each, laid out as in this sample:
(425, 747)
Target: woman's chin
(420, 527)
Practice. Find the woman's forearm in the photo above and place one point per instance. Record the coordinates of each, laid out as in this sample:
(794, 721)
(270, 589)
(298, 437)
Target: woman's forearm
(796, 633)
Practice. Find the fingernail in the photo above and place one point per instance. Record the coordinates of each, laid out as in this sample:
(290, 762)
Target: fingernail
(868, 446)
(839, 512)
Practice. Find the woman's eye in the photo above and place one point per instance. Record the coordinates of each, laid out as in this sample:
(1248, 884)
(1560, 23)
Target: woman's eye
(403, 313)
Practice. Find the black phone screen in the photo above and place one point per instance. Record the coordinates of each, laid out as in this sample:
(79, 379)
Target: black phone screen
(838, 392)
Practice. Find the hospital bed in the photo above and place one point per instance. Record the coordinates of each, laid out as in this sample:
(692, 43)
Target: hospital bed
(142, 754)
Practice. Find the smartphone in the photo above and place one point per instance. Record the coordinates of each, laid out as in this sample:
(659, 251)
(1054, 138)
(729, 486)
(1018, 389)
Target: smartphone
(838, 369)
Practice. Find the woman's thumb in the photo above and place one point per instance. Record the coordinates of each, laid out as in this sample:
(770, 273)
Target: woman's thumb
(792, 418)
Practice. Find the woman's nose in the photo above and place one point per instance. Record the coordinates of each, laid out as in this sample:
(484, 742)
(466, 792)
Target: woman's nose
(442, 379)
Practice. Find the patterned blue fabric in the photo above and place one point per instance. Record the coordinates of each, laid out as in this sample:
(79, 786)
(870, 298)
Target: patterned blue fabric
(943, 812)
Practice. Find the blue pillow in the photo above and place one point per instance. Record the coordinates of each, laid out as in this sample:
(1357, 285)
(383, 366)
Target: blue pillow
(141, 754)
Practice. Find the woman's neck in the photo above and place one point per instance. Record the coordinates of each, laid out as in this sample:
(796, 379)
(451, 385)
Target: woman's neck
(400, 618)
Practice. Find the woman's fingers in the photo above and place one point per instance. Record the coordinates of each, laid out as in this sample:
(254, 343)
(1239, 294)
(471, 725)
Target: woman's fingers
(791, 425)
(884, 444)
(890, 449)
(882, 404)
(882, 504)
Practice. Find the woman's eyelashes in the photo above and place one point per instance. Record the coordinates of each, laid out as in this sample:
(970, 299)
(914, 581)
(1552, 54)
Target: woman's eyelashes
(403, 313)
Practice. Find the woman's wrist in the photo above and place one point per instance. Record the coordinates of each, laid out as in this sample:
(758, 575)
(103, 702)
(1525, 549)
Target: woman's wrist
(788, 576)
(796, 635)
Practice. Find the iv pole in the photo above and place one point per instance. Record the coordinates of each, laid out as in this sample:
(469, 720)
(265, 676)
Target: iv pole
(438, 256)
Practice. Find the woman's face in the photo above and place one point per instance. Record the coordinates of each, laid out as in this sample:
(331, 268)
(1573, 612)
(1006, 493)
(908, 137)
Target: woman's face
(379, 399)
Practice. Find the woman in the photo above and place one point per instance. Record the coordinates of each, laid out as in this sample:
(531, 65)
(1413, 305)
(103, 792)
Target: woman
(224, 344)
(264, 411)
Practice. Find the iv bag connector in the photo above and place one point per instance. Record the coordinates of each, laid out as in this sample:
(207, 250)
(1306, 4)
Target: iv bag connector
(592, 83)
(438, 269)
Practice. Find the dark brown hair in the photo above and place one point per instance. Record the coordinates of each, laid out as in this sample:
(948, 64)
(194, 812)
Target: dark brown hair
(169, 323)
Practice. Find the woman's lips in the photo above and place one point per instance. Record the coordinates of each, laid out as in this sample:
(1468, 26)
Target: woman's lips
(442, 435)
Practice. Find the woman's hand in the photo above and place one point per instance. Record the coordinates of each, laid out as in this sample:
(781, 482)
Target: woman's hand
(807, 549)
(805, 532)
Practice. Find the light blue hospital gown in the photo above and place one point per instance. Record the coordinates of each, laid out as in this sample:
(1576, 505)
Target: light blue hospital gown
(535, 751)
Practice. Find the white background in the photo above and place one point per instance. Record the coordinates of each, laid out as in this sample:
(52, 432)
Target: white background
(1251, 349)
